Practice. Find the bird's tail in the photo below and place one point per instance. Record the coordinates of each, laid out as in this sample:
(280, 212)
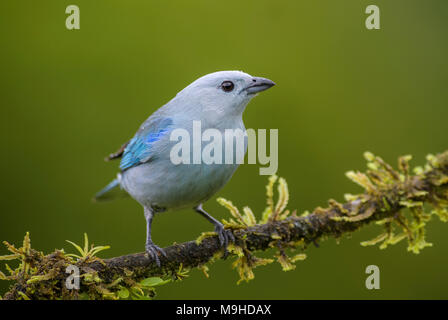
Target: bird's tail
(109, 192)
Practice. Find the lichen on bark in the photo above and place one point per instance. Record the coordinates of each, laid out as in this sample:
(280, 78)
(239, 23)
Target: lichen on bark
(401, 201)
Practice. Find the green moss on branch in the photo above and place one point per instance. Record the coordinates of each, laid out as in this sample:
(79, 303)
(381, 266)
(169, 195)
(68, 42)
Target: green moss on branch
(399, 201)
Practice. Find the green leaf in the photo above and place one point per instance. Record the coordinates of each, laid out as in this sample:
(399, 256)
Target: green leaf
(10, 257)
(86, 243)
(98, 249)
(153, 282)
(80, 250)
(123, 293)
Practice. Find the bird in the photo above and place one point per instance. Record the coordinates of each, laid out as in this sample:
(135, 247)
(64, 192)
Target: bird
(147, 172)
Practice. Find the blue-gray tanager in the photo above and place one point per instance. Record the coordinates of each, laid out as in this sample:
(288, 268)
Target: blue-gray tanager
(148, 173)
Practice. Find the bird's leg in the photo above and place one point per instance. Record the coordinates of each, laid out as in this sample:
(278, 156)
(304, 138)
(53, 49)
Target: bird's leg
(150, 247)
(225, 236)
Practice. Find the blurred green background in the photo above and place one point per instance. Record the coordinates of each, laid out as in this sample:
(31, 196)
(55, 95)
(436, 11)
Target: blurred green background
(69, 98)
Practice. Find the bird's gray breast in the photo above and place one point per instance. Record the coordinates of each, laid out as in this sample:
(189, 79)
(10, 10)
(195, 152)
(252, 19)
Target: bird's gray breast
(160, 183)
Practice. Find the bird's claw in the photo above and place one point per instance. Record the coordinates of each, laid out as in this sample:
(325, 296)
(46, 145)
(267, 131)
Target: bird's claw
(225, 237)
(153, 251)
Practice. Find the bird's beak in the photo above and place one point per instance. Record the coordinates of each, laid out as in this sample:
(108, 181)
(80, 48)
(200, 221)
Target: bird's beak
(259, 84)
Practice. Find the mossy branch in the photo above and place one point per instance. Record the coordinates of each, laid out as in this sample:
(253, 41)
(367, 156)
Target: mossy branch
(400, 201)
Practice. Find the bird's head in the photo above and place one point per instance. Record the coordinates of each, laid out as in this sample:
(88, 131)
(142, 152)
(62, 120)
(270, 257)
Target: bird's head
(225, 92)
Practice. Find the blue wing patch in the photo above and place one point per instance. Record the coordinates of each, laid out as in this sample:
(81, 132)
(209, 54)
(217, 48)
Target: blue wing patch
(139, 148)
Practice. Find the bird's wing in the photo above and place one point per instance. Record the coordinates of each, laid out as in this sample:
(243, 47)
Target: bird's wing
(140, 148)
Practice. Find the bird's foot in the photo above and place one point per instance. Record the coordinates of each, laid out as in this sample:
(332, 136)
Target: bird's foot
(225, 237)
(153, 251)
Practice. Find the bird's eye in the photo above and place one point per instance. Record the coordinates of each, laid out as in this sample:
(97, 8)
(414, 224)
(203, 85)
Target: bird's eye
(227, 86)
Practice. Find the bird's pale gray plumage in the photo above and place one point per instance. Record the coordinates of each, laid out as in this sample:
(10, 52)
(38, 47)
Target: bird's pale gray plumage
(148, 175)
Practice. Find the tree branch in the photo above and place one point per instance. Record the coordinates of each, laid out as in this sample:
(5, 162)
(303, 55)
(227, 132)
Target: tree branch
(388, 193)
